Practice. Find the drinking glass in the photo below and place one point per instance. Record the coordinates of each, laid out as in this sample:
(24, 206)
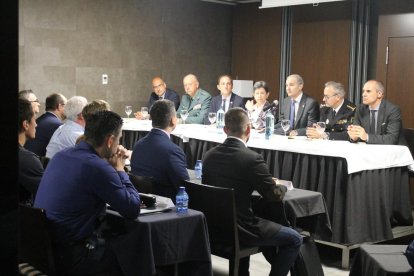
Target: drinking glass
(128, 110)
(320, 127)
(184, 114)
(144, 112)
(212, 117)
(285, 125)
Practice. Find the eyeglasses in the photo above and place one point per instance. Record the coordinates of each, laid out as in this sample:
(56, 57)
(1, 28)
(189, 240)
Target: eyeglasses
(35, 101)
(328, 97)
(158, 86)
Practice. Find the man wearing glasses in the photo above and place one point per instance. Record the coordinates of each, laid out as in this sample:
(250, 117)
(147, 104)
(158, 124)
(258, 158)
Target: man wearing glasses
(31, 97)
(337, 113)
(161, 92)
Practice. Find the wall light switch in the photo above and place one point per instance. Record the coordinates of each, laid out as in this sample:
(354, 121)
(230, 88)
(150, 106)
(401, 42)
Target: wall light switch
(104, 79)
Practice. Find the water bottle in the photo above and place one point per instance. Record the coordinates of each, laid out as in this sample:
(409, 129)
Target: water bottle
(181, 201)
(198, 168)
(270, 125)
(220, 118)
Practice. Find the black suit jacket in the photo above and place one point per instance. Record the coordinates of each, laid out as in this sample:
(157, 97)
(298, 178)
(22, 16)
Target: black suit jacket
(337, 126)
(216, 101)
(233, 165)
(169, 95)
(389, 125)
(29, 174)
(308, 114)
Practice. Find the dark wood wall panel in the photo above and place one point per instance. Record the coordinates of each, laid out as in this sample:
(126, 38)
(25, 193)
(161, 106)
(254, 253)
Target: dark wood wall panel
(320, 45)
(256, 45)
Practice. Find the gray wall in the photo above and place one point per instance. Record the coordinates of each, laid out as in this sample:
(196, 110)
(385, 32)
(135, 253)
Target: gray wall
(65, 46)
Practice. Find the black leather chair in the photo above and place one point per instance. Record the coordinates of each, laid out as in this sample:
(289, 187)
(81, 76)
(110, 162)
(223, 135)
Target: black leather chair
(219, 208)
(144, 184)
(35, 244)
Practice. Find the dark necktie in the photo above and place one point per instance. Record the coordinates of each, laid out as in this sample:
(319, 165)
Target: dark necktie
(334, 113)
(160, 97)
(372, 125)
(223, 105)
(292, 114)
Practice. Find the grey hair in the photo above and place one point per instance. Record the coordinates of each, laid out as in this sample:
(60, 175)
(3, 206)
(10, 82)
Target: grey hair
(261, 84)
(74, 107)
(298, 78)
(338, 87)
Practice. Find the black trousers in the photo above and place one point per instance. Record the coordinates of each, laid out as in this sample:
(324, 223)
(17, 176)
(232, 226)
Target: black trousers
(77, 259)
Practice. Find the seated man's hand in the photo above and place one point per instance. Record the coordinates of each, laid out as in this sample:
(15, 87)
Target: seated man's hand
(355, 132)
(293, 133)
(312, 133)
(138, 115)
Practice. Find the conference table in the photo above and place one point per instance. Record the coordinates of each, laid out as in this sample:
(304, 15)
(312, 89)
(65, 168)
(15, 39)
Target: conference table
(178, 243)
(366, 187)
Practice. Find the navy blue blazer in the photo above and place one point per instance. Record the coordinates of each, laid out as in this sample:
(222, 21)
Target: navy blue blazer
(169, 95)
(46, 126)
(157, 156)
(216, 101)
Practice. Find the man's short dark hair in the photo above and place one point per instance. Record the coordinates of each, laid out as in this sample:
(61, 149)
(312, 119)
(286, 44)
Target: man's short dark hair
(53, 101)
(26, 113)
(236, 121)
(161, 113)
(100, 125)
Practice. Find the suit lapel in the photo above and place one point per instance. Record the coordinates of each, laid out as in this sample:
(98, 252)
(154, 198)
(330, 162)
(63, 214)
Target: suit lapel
(301, 107)
(380, 116)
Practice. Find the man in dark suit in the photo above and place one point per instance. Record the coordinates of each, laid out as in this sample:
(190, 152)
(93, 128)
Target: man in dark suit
(300, 109)
(161, 92)
(233, 165)
(226, 100)
(47, 123)
(337, 113)
(157, 156)
(377, 121)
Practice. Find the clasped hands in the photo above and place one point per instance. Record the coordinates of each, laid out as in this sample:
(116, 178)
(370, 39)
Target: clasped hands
(117, 160)
(356, 132)
(313, 133)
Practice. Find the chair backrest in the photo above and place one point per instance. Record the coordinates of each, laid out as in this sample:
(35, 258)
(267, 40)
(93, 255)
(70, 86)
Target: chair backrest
(219, 208)
(35, 243)
(144, 184)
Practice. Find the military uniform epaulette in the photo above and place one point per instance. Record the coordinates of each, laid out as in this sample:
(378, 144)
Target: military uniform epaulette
(351, 107)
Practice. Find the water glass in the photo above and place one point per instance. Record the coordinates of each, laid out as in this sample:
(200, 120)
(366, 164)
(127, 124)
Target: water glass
(212, 117)
(144, 112)
(128, 110)
(184, 114)
(285, 125)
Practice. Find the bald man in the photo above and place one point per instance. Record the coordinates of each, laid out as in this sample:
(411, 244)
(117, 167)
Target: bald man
(195, 100)
(377, 121)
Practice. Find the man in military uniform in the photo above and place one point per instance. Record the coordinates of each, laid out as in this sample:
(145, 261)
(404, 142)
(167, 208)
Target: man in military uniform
(337, 113)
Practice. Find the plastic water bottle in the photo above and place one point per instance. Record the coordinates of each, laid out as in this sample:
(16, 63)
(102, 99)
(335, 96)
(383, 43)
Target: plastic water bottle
(198, 168)
(270, 125)
(220, 118)
(181, 201)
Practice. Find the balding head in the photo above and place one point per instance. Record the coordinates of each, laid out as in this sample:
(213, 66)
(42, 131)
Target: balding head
(159, 86)
(191, 84)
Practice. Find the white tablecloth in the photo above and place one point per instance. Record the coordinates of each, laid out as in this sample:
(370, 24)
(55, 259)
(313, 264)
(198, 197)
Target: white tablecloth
(359, 156)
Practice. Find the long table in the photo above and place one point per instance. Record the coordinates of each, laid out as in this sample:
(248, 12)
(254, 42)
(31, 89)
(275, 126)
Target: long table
(365, 186)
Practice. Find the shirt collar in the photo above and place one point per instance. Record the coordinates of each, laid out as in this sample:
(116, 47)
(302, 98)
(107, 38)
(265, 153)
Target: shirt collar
(237, 138)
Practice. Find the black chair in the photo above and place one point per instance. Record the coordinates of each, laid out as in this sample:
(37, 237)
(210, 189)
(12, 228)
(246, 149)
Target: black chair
(35, 243)
(144, 184)
(219, 208)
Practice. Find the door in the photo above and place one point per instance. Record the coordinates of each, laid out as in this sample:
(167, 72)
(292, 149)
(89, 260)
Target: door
(400, 77)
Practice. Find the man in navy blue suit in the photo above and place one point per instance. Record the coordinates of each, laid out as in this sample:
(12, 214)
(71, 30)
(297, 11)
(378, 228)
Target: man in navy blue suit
(157, 156)
(161, 92)
(226, 99)
(47, 123)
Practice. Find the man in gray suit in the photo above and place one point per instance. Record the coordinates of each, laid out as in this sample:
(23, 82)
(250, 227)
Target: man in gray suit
(300, 109)
(195, 100)
(377, 121)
